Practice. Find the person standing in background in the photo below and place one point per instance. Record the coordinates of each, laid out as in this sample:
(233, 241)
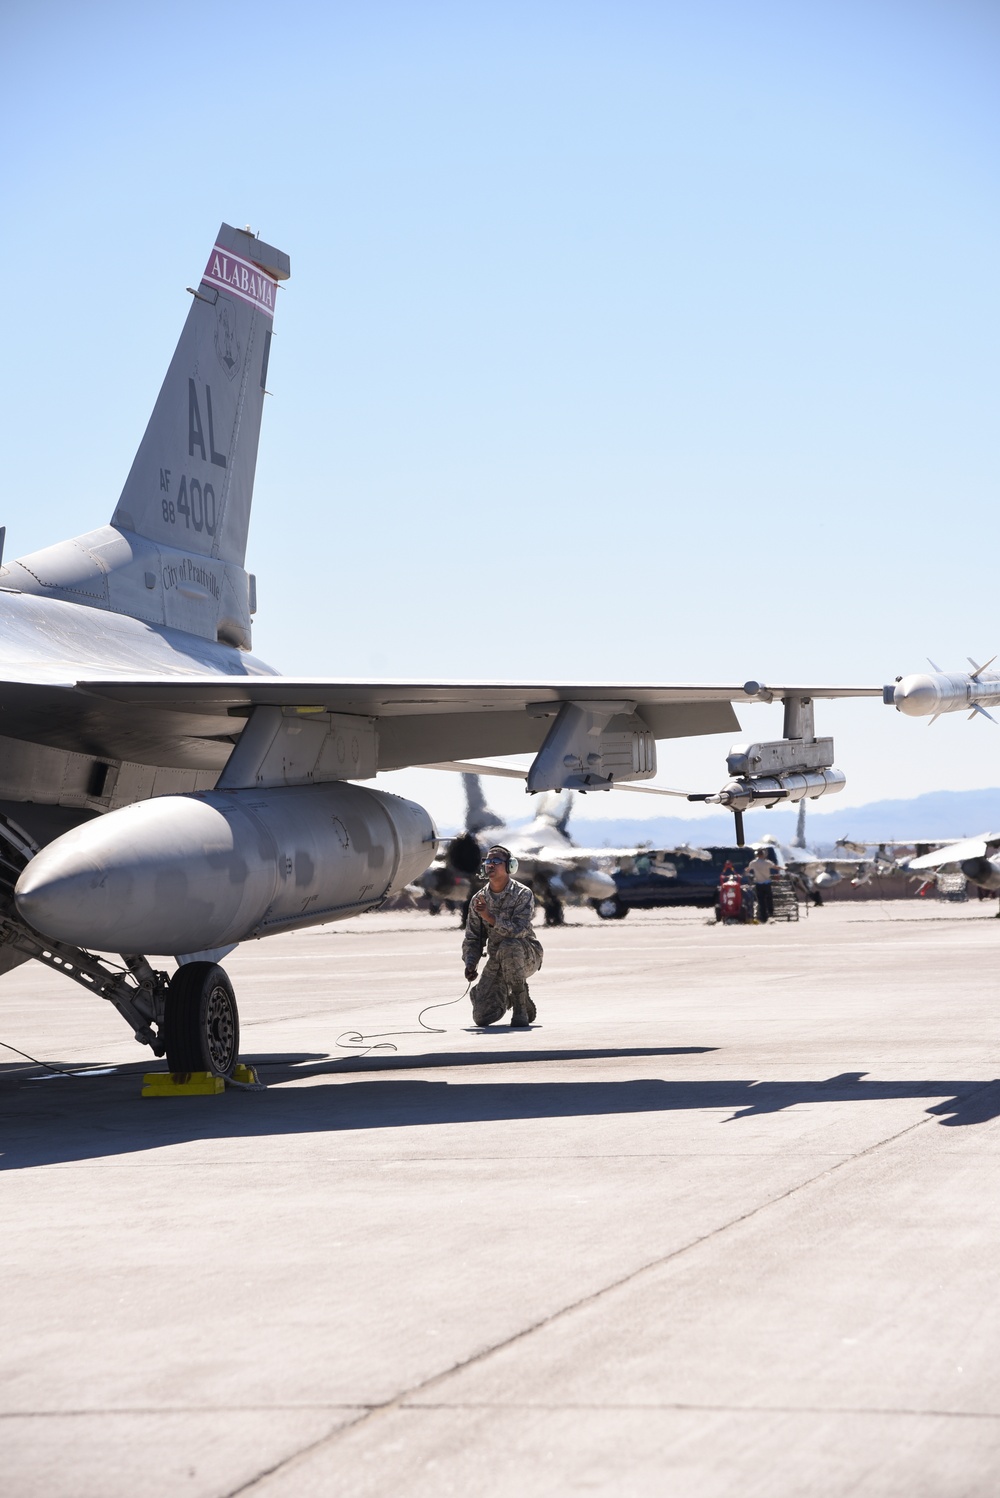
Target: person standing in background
(762, 869)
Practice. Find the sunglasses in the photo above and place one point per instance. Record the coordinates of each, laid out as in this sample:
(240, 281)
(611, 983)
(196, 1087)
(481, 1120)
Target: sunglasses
(491, 863)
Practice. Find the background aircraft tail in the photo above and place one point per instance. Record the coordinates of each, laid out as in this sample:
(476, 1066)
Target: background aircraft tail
(799, 840)
(478, 816)
(174, 551)
(555, 808)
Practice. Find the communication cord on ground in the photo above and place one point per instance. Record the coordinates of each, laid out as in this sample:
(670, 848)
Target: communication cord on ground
(357, 1044)
(351, 1040)
(50, 1068)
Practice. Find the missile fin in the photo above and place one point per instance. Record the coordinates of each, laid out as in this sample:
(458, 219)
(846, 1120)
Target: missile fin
(932, 665)
(977, 670)
(977, 709)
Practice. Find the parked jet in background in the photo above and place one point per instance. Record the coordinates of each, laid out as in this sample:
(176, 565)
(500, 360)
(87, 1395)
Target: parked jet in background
(454, 876)
(978, 858)
(548, 860)
(163, 791)
(817, 871)
(558, 871)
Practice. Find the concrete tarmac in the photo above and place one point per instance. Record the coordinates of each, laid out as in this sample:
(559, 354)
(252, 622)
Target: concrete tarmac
(726, 1221)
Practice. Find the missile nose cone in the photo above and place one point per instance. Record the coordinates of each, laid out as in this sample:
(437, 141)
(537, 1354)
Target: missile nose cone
(917, 696)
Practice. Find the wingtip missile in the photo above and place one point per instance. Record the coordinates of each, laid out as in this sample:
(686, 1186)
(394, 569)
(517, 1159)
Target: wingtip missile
(929, 694)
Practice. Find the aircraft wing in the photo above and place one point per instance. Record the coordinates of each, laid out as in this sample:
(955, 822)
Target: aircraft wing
(192, 720)
(592, 855)
(972, 847)
(856, 846)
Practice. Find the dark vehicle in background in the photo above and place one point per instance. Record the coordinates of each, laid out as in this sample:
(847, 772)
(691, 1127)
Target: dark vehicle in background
(654, 879)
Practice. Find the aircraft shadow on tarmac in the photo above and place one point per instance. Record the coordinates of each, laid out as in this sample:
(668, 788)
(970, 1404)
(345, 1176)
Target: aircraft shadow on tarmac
(78, 1118)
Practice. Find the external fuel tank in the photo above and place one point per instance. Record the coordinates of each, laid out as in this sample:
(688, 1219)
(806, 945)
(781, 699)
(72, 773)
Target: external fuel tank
(192, 873)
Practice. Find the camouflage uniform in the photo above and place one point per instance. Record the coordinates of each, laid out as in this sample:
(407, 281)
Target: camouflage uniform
(513, 953)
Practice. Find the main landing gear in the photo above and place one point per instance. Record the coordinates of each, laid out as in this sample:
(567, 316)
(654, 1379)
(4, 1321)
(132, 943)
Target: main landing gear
(191, 1018)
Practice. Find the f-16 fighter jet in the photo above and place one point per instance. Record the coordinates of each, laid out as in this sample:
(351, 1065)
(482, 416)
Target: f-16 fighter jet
(556, 869)
(978, 858)
(820, 871)
(163, 791)
(548, 860)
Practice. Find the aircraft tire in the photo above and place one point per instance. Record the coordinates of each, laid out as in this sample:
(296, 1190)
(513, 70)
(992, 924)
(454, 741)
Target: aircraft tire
(612, 909)
(201, 1023)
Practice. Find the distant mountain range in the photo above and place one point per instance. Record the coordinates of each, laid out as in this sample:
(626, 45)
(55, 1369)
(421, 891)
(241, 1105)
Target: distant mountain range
(938, 814)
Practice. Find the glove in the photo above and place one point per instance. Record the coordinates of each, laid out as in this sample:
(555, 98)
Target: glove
(470, 973)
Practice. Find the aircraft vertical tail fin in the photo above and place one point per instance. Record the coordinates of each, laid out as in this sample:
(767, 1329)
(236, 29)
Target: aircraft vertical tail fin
(174, 551)
(564, 810)
(555, 807)
(478, 816)
(191, 484)
(799, 840)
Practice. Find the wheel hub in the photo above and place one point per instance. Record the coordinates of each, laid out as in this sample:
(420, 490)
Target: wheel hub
(220, 1028)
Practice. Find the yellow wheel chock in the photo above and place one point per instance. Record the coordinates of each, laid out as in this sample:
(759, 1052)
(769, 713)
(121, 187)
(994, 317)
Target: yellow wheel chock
(193, 1083)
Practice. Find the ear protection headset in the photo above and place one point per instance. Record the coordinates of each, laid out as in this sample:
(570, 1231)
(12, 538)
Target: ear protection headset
(508, 858)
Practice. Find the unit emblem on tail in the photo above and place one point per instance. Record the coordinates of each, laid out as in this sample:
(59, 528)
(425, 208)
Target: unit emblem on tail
(227, 342)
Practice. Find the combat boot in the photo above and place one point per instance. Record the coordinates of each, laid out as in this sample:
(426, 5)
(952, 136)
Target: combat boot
(488, 1008)
(524, 1011)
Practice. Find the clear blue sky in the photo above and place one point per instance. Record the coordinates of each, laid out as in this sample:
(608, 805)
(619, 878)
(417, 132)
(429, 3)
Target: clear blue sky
(673, 328)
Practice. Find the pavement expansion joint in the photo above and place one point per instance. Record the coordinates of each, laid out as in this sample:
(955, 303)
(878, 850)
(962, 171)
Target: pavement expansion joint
(145, 1411)
(407, 1398)
(876, 1412)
